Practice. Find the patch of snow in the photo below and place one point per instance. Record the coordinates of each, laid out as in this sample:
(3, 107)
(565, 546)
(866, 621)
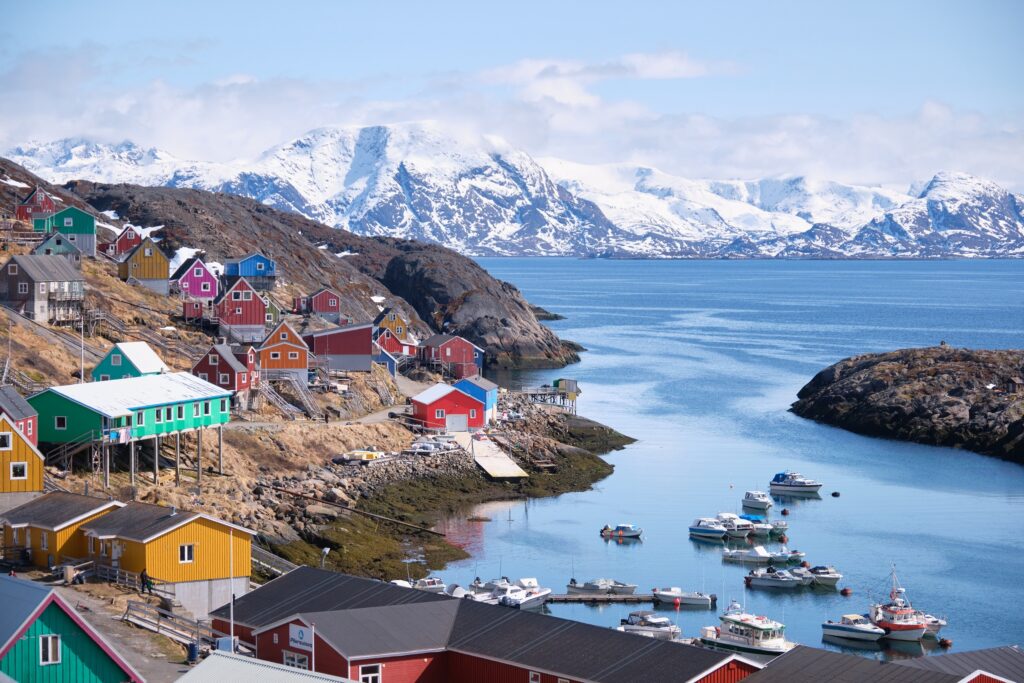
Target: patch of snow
(183, 254)
(169, 328)
(111, 214)
(215, 267)
(342, 254)
(101, 224)
(13, 183)
(145, 232)
(322, 246)
(378, 299)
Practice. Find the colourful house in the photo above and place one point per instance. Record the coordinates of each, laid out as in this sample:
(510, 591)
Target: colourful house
(47, 526)
(193, 279)
(21, 466)
(453, 355)
(43, 638)
(37, 204)
(444, 407)
(147, 265)
(128, 359)
(200, 559)
(258, 269)
(387, 340)
(126, 410)
(234, 368)
(324, 303)
(284, 352)
(46, 289)
(79, 226)
(273, 310)
(482, 390)
(58, 244)
(391, 319)
(129, 238)
(23, 415)
(241, 313)
(348, 348)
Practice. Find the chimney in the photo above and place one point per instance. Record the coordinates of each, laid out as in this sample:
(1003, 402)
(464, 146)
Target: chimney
(174, 510)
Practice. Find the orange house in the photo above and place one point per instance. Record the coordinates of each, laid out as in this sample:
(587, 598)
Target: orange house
(284, 352)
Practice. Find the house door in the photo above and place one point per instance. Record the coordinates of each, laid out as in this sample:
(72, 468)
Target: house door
(457, 423)
(115, 554)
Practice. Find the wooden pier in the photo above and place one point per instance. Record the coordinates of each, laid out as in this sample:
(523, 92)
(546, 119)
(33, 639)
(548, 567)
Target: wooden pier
(562, 393)
(601, 598)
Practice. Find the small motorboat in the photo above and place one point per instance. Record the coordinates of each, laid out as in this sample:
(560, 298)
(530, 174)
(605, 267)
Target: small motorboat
(935, 624)
(757, 500)
(854, 627)
(758, 526)
(770, 577)
(793, 482)
(647, 623)
(735, 526)
(742, 632)
(677, 596)
(621, 531)
(430, 584)
(601, 587)
(780, 527)
(804, 574)
(755, 555)
(898, 618)
(826, 576)
(708, 527)
(487, 591)
(790, 555)
(523, 594)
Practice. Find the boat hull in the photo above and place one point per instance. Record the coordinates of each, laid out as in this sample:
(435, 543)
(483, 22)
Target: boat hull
(652, 632)
(827, 581)
(768, 583)
(851, 632)
(707, 533)
(612, 533)
(623, 590)
(757, 504)
(792, 488)
(736, 647)
(902, 633)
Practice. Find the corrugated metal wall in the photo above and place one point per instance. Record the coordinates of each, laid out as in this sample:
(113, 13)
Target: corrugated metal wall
(212, 557)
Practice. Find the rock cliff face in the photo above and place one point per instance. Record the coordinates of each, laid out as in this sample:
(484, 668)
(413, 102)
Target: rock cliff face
(938, 395)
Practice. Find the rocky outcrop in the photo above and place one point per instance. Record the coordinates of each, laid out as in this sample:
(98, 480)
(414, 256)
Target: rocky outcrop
(940, 395)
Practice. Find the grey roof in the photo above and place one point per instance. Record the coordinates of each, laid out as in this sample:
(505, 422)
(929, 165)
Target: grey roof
(1007, 662)
(438, 339)
(20, 599)
(811, 665)
(222, 667)
(55, 237)
(185, 266)
(54, 510)
(228, 354)
(14, 404)
(47, 268)
(138, 521)
(388, 630)
(308, 589)
(485, 384)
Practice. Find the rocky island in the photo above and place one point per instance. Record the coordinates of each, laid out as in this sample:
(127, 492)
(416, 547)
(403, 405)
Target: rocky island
(942, 396)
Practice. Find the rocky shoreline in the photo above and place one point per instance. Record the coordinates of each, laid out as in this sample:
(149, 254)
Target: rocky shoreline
(940, 396)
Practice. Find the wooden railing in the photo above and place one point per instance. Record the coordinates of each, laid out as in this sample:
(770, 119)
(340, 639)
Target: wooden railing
(271, 562)
(174, 626)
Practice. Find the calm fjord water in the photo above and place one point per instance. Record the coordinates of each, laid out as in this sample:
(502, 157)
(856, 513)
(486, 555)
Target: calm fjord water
(699, 360)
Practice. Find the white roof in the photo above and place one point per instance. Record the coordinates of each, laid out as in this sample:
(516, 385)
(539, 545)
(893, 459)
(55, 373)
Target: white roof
(433, 393)
(118, 397)
(142, 356)
(224, 666)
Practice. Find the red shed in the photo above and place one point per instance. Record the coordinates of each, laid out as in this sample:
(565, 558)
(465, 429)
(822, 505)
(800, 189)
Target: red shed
(38, 204)
(454, 355)
(241, 312)
(445, 407)
(348, 348)
(20, 413)
(191, 310)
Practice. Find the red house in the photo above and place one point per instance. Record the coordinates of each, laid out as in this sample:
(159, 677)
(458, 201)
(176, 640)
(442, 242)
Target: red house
(19, 412)
(324, 303)
(241, 313)
(124, 243)
(348, 348)
(233, 368)
(38, 204)
(445, 407)
(453, 355)
(387, 340)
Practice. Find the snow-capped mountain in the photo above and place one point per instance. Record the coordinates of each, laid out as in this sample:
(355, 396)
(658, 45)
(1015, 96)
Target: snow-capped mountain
(481, 196)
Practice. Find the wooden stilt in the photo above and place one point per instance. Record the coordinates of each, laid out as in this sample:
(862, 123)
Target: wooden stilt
(156, 460)
(177, 459)
(131, 460)
(106, 465)
(220, 449)
(199, 459)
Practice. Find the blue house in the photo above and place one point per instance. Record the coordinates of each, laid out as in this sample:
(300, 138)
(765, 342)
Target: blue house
(258, 269)
(482, 390)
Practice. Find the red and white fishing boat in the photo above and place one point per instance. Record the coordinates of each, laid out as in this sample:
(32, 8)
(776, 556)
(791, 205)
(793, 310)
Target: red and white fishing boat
(898, 618)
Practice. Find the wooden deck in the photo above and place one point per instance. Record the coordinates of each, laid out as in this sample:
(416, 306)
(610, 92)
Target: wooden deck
(491, 459)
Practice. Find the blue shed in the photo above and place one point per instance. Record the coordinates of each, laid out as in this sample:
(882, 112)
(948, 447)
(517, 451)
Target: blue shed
(386, 359)
(258, 269)
(482, 390)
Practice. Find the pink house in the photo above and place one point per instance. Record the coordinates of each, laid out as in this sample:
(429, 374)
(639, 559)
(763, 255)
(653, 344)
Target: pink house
(194, 280)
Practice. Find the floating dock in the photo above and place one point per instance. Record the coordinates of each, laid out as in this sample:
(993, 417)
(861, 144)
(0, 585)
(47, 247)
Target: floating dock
(601, 598)
(491, 459)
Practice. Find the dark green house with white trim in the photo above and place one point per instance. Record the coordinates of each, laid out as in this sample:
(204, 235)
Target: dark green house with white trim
(42, 638)
(79, 226)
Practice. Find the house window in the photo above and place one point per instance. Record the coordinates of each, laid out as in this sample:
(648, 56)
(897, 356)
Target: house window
(223, 405)
(246, 296)
(44, 540)
(12, 269)
(42, 288)
(15, 536)
(295, 660)
(236, 296)
(204, 286)
(60, 423)
(275, 355)
(5, 441)
(19, 471)
(270, 317)
(332, 302)
(184, 284)
(28, 427)
(104, 378)
(391, 317)
(284, 335)
(214, 359)
(369, 673)
(115, 359)
(206, 378)
(181, 412)
(206, 408)
(222, 379)
(49, 650)
(186, 553)
(69, 222)
(92, 545)
(260, 266)
(472, 413)
(242, 376)
(140, 419)
(195, 406)
(168, 414)
(103, 549)
(198, 272)
(159, 416)
(439, 414)
(238, 310)
(293, 355)
(22, 288)
(398, 330)
(534, 677)
(148, 251)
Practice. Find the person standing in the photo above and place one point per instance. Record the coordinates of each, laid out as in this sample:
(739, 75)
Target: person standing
(146, 582)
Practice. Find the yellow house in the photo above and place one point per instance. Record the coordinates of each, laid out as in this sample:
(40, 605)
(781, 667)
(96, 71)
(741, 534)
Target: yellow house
(200, 559)
(48, 526)
(391, 319)
(21, 463)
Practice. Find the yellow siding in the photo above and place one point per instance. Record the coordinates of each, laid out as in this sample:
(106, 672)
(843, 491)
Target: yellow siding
(142, 267)
(397, 324)
(21, 451)
(212, 557)
(68, 542)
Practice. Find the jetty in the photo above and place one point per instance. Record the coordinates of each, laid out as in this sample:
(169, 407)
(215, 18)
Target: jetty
(600, 598)
(490, 458)
(561, 392)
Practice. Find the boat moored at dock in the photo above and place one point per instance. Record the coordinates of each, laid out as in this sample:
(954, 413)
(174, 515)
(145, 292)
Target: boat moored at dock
(647, 623)
(743, 632)
(770, 577)
(600, 587)
(898, 618)
(735, 526)
(853, 627)
(677, 596)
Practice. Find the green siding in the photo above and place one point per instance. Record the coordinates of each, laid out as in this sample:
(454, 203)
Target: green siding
(81, 658)
(106, 367)
(79, 418)
(81, 222)
(151, 427)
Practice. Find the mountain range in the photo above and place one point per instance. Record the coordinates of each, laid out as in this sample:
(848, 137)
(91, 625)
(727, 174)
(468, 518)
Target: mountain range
(481, 196)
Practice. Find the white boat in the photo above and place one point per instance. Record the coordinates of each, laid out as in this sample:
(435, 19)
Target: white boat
(524, 594)
(793, 482)
(621, 531)
(826, 575)
(757, 500)
(735, 527)
(708, 527)
(401, 582)
(787, 555)
(770, 577)
(854, 627)
(601, 587)
(755, 555)
(804, 574)
(780, 527)
(677, 596)
(758, 526)
(934, 624)
(898, 618)
(742, 632)
(487, 591)
(430, 584)
(647, 623)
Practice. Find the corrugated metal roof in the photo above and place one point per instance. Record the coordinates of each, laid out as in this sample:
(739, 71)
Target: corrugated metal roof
(138, 521)
(118, 397)
(228, 354)
(389, 630)
(47, 268)
(14, 404)
(1007, 662)
(438, 391)
(811, 665)
(485, 384)
(55, 510)
(224, 667)
(20, 599)
(142, 356)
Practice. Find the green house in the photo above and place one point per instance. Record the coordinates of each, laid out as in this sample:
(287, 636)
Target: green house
(273, 311)
(42, 638)
(128, 359)
(126, 410)
(79, 226)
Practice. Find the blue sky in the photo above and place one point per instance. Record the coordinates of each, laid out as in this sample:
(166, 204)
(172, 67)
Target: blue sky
(707, 89)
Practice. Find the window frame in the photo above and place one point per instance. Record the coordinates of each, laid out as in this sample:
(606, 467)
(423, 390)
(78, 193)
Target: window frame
(10, 441)
(186, 553)
(181, 411)
(439, 413)
(223, 378)
(293, 355)
(23, 464)
(206, 408)
(298, 660)
(44, 539)
(375, 675)
(22, 288)
(46, 649)
(57, 419)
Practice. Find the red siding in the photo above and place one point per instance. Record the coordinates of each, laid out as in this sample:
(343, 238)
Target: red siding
(234, 381)
(344, 341)
(428, 668)
(732, 672)
(39, 205)
(464, 668)
(454, 403)
(126, 241)
(243, 633)
(328, 661)
(30, 428)
(321, 302)
(251, 312)
(456, 354)
(387, 341)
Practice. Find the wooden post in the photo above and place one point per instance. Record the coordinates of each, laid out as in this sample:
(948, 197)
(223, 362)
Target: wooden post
(220, 449)
(131, 459)
(156, 459)
(177, 459)
(199, 458)
(106, 465)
